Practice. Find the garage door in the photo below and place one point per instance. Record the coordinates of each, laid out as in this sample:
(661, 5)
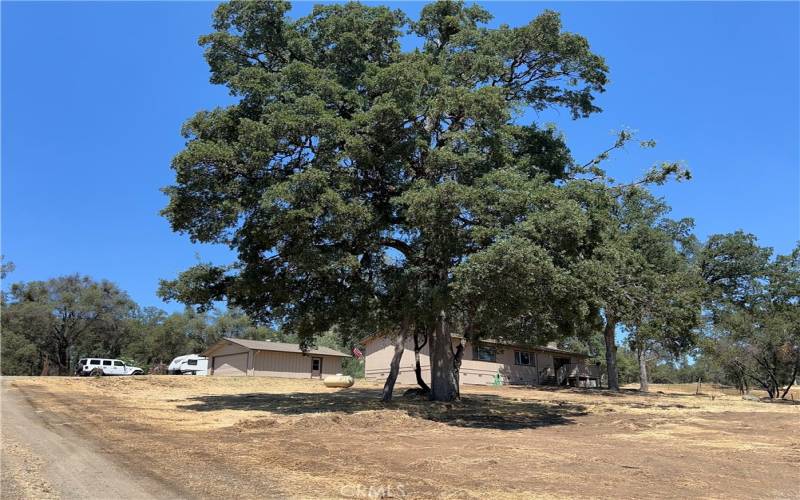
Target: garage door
(231, 365)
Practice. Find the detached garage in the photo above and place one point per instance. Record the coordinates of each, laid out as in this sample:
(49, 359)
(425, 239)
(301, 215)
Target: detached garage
(239, 358)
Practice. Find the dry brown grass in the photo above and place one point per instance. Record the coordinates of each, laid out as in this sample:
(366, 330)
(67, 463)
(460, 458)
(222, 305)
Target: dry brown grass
(711, 389)
(285, 437)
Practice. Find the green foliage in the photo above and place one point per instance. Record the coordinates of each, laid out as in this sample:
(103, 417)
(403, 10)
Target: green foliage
(663, 367)
(350, 366)
(6, 267)
(20, 355)
(50, 323)
(353, 367)
(55, 322)
(668, 288)
(754, 301)
(159, 337)
(642, 277)
(703, 369)
(364, 187)
(594, 346)
(361, 184)
(734, 266)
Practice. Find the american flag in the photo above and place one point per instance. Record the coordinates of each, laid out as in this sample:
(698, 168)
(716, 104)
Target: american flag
(358, 354)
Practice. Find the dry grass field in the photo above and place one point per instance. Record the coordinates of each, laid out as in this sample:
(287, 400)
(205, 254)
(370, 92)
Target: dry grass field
(260, 437)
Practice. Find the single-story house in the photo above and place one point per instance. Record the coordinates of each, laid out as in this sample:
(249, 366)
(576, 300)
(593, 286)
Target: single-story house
(258, 358)
(487, 360)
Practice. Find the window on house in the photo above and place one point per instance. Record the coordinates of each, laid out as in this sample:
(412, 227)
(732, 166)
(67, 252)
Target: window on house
(483, 353)
(522, 358)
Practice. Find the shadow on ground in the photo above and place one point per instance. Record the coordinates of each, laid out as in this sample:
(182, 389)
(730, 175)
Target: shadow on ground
(475, 411)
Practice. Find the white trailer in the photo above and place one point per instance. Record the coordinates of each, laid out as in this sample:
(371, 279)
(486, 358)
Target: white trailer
(189, 364)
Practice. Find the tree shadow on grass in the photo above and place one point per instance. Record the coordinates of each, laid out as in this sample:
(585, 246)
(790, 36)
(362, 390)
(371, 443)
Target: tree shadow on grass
(485, 411)
(620, 398)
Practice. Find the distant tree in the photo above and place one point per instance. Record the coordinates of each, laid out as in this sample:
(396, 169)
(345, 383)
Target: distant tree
(595, 345)
(638, 280)
(63, 318)
(5, 267)
(53, 323)
(667, 287)
(142, 345)
(235, 323)
(705, 367)
(20, 356)
(160, 337)
(754, 302)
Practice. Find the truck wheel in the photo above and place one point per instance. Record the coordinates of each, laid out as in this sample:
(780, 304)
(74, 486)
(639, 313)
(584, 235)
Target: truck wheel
(97, 372)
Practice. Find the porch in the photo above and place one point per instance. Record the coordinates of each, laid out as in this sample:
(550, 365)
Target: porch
(572, 374)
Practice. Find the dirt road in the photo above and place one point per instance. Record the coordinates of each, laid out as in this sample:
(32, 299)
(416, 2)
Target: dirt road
(44, 457)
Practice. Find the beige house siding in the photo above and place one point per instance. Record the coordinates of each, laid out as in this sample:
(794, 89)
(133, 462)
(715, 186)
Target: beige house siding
(290, 365)
(380, 350)
(379, 353)
(230, 359)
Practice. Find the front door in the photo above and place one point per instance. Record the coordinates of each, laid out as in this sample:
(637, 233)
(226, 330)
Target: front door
(118, 368)
(316, 367)
(108, 368)
(559, 362)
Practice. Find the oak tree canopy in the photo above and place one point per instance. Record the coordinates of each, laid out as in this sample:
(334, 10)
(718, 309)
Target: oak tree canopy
(366, 187)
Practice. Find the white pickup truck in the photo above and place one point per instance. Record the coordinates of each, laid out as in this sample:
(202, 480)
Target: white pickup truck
(103, 366)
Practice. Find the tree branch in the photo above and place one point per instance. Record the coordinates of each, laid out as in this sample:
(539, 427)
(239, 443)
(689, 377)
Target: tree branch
(398, 245)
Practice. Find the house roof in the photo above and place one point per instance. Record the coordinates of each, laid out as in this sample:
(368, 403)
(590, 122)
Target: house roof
(507, 344)
(266, 345)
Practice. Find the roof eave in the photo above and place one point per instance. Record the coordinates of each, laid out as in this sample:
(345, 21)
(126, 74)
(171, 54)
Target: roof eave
(216, 346)
(231, 340)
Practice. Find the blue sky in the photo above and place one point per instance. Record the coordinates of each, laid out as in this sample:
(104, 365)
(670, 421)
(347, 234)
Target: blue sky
(94, 94)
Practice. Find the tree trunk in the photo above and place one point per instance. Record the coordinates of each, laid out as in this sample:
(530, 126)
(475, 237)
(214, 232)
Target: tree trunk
(394, 366)
(443, 383)
(791, 381)
(611, 353)
(45, 366)
(457, 357)
(418, 366)
(62, 359)
(644, 386)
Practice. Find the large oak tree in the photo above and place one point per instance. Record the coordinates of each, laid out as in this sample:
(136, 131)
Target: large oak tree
(365, 187)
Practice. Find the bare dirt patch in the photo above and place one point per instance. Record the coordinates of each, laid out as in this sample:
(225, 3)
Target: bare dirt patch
(21, 472)
(260, 437)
